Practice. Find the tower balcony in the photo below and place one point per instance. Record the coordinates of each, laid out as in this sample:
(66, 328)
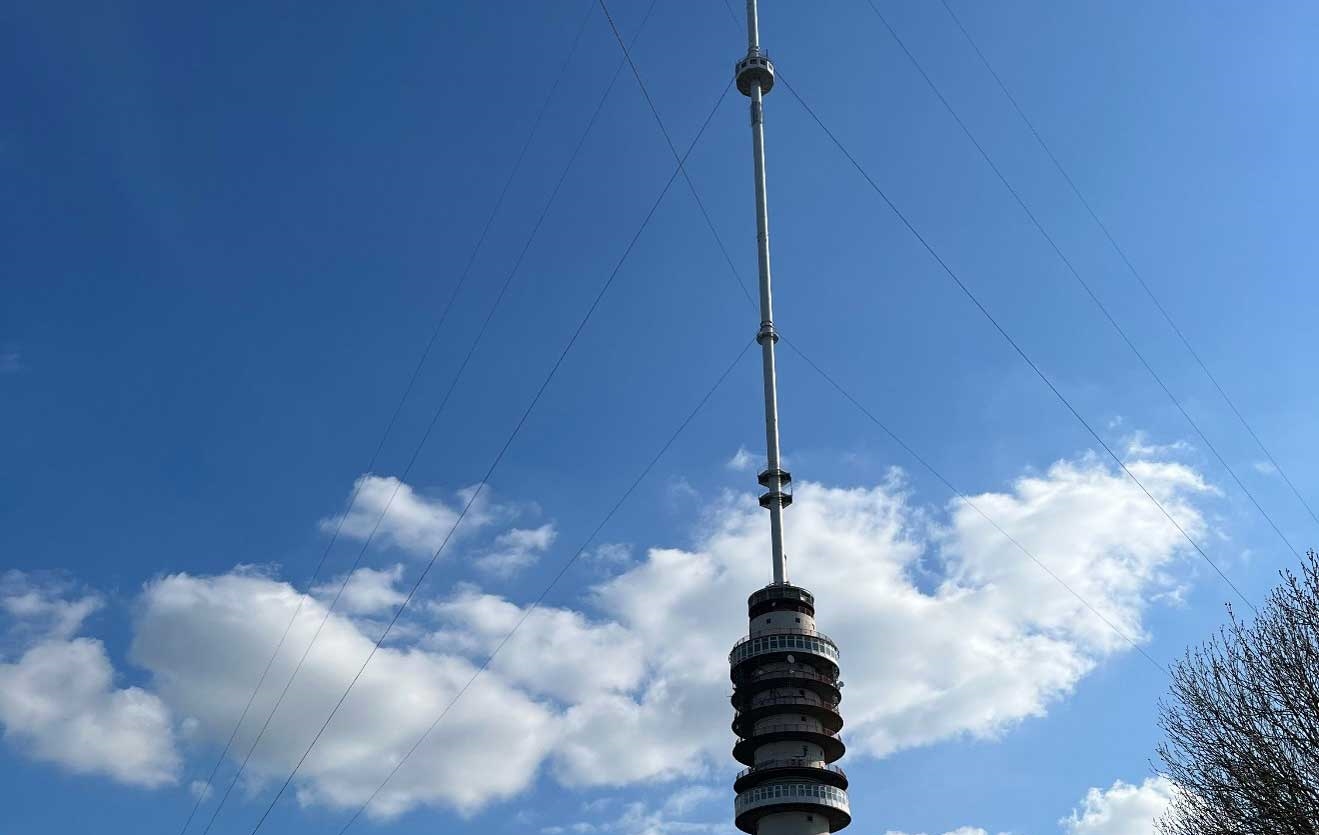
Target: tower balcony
(793, 769)
(748, 681)
(785, 644)
(780, 596)
(825, 713)
(827, 801)
(811, 733)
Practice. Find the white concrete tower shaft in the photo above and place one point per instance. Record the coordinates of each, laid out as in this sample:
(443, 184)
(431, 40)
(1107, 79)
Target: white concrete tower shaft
(786, 687)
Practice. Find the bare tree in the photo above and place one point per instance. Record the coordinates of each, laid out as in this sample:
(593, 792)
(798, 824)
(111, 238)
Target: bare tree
(1242, 721)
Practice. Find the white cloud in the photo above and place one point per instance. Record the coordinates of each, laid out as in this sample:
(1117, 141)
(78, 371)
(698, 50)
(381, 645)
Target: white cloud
(684, 800)
(637, 690)
(961, 830)
(58, 704)
(1139, 445)
(58, 700)
(206, 640)
(741, 461)
(1264, 467)
(1122, 809)
(411, 522)
(638, 819)
(643, 819)
(368, 591)
(1095, 529)
(610, 554)
(40, 607)
(682, 493)
(557, 652)
(516, 549)
(1008, 639)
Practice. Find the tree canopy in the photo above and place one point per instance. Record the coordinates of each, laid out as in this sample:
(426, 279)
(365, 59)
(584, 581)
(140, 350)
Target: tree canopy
(1242, 721)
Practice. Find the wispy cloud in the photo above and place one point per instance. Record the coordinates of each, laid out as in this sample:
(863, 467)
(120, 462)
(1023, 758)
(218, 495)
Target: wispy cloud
(516, 549)
(1139, 445)
(611, 554)
(742, 461)
(391, 512)
(645, 819)
(961, 830)
(367, 592)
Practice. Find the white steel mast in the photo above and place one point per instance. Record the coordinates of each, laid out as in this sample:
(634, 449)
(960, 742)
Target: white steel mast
(755, 78)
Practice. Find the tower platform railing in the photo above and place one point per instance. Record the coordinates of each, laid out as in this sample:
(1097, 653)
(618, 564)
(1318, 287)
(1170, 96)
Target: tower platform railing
(796, 762)
(784, 640)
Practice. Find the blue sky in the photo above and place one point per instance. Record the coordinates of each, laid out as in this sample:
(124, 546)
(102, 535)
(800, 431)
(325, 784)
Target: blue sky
(231, 233)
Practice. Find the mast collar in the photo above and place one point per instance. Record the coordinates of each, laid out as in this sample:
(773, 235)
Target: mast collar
(753, 69)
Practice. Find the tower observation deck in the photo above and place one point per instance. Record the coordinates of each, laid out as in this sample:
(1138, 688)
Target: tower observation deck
(785, 673)
(785, 697)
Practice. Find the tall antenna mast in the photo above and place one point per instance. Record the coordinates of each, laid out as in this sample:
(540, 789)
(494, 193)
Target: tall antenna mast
(755, 78)
(786, 688)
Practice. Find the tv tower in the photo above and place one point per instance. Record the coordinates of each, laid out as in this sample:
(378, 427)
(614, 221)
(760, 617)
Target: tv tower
(785, 673)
